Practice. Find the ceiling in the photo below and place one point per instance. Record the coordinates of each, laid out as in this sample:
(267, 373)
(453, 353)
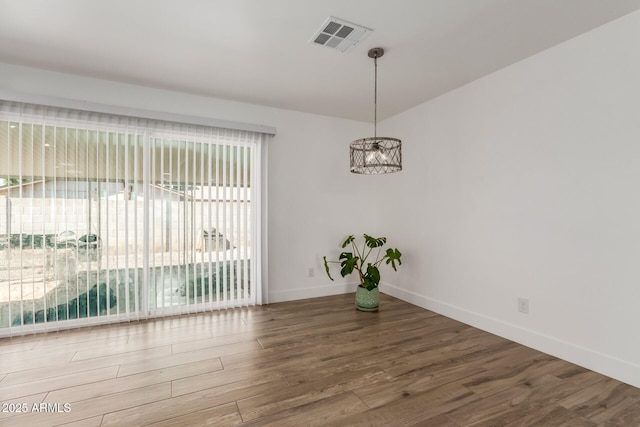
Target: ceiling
(258, 51)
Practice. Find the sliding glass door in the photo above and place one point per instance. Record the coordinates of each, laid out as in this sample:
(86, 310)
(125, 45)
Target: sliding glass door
(110, 222)
(201, 225)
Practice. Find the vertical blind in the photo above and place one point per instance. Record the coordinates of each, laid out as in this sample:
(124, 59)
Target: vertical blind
(106, 218)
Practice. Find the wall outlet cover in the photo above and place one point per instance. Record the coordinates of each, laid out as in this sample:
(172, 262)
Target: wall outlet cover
(523, 305)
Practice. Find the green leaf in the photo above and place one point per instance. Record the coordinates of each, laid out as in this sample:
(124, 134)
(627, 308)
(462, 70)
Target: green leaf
(348, 263)
(371, 278)
(374, 242)
(326, 267)
(393, 256)
(347, 241)
(368, 283)
(373, 273)
(345, 255)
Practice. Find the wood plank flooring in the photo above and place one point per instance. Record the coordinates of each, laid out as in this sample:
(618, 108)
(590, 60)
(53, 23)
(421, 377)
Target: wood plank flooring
(302, 363)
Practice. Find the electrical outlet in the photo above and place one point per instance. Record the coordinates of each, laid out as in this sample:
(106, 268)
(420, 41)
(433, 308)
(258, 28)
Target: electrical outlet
(523, 305)
(312, 272)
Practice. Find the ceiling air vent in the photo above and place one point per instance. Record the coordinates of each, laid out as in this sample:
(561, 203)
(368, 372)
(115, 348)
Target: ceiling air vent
(339, 34)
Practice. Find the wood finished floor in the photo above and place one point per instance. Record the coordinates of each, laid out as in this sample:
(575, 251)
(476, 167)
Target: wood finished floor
(303, 363)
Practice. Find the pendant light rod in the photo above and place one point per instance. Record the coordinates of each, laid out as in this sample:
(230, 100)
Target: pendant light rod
(375, 97)
(375, 53)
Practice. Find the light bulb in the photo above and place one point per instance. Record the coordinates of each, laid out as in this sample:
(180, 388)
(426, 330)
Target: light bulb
(377, 156)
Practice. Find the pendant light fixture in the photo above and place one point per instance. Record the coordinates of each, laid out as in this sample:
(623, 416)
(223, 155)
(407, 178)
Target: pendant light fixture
(377, 155)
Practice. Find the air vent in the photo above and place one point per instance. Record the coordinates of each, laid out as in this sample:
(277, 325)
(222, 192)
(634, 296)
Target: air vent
(339, 34)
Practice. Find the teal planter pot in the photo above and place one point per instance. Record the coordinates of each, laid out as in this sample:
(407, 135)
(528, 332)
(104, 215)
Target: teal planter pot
(367, 300)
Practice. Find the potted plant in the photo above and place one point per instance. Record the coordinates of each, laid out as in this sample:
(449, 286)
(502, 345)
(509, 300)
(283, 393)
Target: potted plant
(367, 293)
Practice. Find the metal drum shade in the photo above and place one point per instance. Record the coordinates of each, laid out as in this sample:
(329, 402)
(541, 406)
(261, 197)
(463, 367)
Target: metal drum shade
(372, 156)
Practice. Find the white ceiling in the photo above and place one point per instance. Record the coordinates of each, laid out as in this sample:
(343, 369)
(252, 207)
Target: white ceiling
(257, 51)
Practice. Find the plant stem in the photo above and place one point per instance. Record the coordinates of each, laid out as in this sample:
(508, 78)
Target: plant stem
(378, 259)
(355, 249)
(364, 246)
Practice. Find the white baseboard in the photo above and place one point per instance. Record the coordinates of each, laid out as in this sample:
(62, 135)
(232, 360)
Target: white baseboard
(610, 366)
(311, 292)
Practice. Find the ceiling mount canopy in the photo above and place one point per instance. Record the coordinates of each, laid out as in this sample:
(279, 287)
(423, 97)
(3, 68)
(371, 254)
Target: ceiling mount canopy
(377, 155)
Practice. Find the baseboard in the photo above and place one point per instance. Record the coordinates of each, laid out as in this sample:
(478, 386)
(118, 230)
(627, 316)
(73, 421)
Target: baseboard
(311, 292)
(610, 366)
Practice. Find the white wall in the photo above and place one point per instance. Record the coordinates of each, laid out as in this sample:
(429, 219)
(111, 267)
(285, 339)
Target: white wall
(526, 183)
(313, 200)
